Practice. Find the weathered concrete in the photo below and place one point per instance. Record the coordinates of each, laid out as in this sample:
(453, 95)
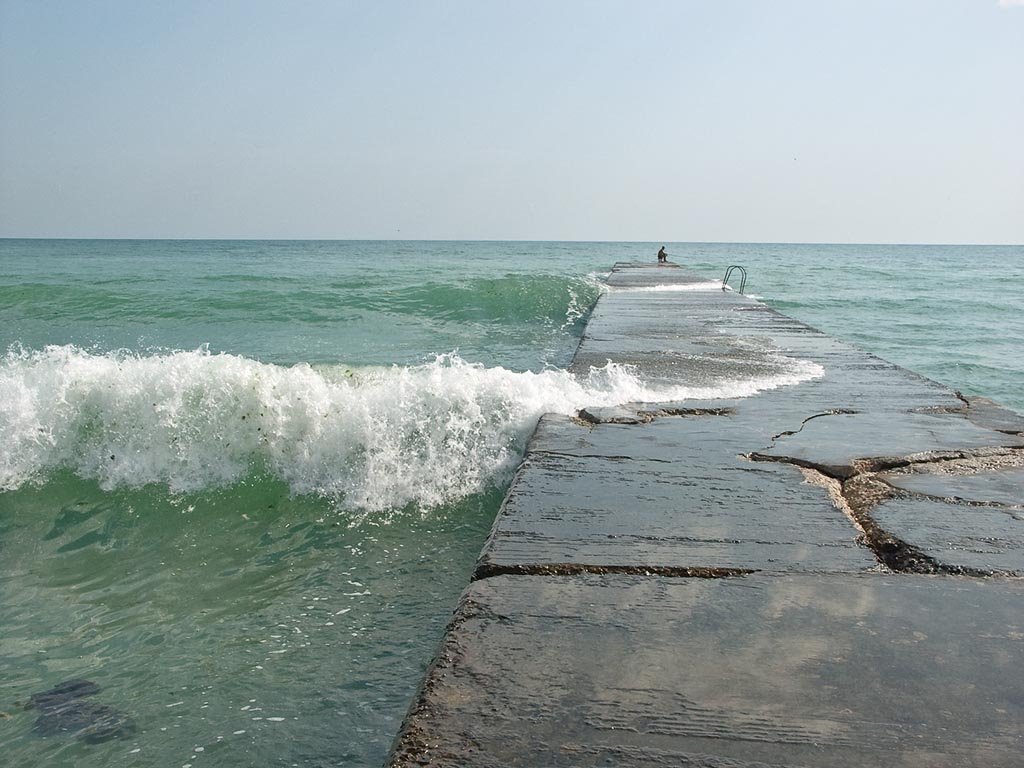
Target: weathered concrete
(674, 493)
(735, 582)
(1004, 486)
(835, 671)
(844, 444)
(975, 537)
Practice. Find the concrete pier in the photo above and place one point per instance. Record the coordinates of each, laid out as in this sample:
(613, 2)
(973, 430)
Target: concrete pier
(824, 573)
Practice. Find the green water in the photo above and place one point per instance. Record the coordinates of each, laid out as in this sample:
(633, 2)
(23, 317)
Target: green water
(205, 622)
(245, 482)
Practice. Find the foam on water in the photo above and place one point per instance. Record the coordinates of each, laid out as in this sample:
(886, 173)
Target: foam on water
(369, 438)
(705, 285)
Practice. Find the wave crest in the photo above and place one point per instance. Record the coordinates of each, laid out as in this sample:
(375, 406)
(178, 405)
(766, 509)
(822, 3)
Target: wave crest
(368, 438)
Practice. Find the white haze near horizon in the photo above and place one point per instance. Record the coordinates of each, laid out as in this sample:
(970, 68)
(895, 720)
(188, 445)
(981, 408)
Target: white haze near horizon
(867, 121)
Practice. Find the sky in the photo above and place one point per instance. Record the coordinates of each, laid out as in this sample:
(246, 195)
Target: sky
(722, 120)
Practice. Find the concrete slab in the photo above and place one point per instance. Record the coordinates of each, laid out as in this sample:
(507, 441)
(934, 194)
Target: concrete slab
(983, 538)
(838, 671)
(986, 413)
(673, 440)
(638, 515)
(837, 442)
(627, 273)
(673, 493)
(1005, 486)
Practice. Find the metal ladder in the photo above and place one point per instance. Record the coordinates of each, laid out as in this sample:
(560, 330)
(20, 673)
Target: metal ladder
(728, 274)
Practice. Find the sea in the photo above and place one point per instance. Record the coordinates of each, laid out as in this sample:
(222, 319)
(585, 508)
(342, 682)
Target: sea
(242, 483)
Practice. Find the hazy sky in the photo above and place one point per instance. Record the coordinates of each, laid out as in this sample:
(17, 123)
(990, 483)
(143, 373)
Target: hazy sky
(827, 121)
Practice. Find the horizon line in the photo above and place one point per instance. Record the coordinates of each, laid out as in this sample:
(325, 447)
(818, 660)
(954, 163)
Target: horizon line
(494, 240)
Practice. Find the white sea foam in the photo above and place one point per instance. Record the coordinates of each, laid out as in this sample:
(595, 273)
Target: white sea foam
(369, 438)
(704, 285)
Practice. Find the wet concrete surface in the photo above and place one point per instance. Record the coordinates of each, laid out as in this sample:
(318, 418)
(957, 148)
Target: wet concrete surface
(737, 582)
(1004, 486)
(674, 492)
(986, 538)
(808, 670)
(843, 444)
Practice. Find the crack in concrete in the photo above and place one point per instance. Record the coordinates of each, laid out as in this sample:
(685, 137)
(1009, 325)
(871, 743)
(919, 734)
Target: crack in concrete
(875, 464)
(865, 492)
(854, 489)
(858, 494)
(930, 458)
(489, 570)
(831, 412)
(855, 497)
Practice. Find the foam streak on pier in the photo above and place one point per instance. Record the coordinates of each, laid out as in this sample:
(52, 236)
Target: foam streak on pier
(823, 573)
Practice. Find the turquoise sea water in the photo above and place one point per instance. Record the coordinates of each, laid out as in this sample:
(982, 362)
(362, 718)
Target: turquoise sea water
(243, 483)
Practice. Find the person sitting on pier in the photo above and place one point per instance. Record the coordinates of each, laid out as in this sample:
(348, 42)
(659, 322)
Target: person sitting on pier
(662, 256)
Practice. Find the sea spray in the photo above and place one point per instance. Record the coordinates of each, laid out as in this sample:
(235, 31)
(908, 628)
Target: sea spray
(369, 438)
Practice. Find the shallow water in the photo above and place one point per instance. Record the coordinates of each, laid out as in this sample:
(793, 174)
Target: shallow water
(244, 483)
(253, 623)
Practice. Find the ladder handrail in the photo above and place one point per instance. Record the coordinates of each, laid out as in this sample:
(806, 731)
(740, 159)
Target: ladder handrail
(743, 278)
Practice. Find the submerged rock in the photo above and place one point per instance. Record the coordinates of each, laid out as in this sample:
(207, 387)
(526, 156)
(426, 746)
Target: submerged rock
(65, 711)
(88, 721)
(62, 693)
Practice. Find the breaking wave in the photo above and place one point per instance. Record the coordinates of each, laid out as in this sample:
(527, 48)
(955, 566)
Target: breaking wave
(367, 438)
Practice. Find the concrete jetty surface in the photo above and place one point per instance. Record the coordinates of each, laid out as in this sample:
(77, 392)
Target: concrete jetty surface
(826, 573)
